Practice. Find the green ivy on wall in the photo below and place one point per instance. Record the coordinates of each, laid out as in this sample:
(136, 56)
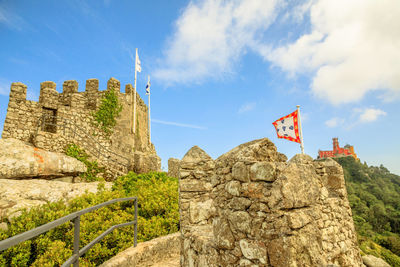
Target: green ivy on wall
(110, 108)
(93, 169)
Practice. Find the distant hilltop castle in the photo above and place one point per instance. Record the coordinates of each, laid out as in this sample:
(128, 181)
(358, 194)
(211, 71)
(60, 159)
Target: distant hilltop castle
(337, 151)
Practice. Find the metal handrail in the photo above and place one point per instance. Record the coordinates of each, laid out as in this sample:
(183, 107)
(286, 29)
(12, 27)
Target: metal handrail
(76, 218)
(68, 124)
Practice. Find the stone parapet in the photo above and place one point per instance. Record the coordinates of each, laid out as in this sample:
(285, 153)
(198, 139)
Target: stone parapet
(265, 211)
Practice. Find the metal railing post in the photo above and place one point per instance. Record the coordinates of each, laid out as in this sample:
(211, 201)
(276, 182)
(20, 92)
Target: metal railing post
(77, 222)
(135, 227)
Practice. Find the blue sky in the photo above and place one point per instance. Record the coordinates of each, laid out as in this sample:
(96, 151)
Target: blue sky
(223, 71)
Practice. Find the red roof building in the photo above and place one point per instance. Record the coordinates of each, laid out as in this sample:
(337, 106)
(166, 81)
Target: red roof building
(337, 151)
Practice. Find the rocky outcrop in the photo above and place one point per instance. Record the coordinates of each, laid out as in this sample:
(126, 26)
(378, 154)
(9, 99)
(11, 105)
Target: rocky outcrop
(251, 207)
(18, 194)
(162, 251)
(19, 160)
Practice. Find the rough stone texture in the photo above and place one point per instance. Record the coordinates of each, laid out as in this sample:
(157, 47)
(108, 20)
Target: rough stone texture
(372, 261)
(19, 160)
(19, 194)
(162, 251)
(263, 210)
(173, 167)
(145, 162)
(196, 209)
(73, 110)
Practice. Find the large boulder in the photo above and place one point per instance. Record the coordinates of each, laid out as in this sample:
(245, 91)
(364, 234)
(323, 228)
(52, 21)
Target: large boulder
(20, 160)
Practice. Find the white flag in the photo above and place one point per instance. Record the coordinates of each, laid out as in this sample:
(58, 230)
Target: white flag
(148, 86)
(138, 67)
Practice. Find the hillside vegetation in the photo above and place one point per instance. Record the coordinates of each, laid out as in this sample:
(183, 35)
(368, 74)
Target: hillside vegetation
(374, 196)
(158, 215)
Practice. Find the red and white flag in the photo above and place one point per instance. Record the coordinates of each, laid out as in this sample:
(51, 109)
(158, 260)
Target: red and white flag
(288, 127)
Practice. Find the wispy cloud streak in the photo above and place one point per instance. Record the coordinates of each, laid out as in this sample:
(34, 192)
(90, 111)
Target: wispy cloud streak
(247, 107)
(11, 19)
(179, 124)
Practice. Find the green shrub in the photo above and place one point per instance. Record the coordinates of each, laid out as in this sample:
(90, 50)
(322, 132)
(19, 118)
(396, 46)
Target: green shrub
(93, 169)
(105, 116)
(157, 199)
(158, 215)
(369, 247)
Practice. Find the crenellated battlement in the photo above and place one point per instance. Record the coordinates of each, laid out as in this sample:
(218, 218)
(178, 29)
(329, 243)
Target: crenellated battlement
(18, 91)
(92, 86)
(70, 87)
(49, 97)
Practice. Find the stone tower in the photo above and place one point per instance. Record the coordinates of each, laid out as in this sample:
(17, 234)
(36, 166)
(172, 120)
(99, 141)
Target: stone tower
(59, 119)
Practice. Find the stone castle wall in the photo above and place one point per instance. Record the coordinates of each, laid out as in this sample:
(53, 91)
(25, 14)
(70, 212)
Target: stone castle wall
(251, 207)
(73, 111)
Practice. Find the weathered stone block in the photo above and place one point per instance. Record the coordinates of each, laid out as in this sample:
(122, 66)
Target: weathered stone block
(233, 188)
(254, 250)
(239, 203)
(200, 211)
(240, 172)
(239, 221)
(222, 234)
(193, 185)
(263, 171)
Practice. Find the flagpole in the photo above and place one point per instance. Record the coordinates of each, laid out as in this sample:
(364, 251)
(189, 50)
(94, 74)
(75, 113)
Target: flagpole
(301, 131)
(149, 113)
(131, 113)
(134, 95)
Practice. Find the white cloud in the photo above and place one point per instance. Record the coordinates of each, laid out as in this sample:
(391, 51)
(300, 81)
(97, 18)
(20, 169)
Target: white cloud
(334, 122)
(371, 114)
(210, 36)
(353, 48)
(247, 107)
(179, 124)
